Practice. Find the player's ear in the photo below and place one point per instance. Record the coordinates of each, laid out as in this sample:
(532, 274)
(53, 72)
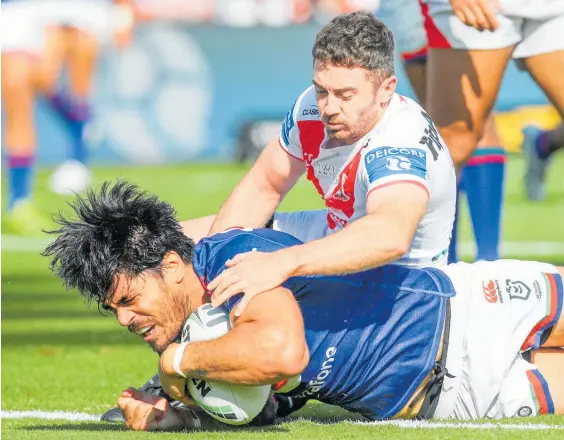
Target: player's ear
(387, 88)
(173, 267)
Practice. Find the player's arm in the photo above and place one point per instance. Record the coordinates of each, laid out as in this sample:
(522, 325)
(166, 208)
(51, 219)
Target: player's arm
(380, 237)
(267, 344)
(256, 197)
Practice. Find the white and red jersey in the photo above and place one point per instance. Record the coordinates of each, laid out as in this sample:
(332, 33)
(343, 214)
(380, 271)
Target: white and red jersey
(403, 147)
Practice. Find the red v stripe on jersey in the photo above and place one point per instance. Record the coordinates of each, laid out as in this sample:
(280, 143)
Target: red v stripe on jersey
(342, 197)
(312, 134)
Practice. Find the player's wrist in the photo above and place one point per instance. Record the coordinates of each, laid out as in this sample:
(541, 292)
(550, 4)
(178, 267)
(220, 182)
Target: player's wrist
(171, 361)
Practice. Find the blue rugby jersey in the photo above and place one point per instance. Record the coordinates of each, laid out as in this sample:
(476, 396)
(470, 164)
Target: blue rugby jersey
(373, 336)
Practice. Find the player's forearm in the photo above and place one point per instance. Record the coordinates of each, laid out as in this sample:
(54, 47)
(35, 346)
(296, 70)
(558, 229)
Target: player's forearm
(252, 355)
(251, 204)
(368, 242)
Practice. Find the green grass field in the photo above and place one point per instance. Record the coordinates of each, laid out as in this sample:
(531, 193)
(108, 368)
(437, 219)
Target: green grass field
(58, 355)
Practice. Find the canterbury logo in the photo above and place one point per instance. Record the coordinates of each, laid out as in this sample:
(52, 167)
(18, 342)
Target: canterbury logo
(490, 292)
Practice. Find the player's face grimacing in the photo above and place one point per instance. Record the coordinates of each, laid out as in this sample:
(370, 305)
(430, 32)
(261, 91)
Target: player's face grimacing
(350, 102)
(149, 306)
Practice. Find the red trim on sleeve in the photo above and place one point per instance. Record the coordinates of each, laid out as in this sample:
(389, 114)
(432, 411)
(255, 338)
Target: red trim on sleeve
(287, 152)
(395, 182)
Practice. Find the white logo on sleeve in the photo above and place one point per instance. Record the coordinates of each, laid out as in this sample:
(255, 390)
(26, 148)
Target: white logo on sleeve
(398, 163)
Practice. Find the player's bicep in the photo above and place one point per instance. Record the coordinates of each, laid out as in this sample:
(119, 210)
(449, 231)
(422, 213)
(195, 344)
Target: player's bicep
(277, 169)
(402, 205)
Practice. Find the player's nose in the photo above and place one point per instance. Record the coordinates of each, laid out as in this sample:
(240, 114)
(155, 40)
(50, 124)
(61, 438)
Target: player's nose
(124, 316)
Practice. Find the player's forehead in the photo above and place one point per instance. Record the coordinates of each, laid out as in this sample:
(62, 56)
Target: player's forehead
(125, 286)
(331, 77)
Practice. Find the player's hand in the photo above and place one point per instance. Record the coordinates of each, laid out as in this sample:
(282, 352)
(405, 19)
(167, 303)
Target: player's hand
(250, 273)
(145, 412)
(173, 384)
(480, 14)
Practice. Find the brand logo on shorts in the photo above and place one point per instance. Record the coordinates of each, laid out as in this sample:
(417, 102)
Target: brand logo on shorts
(490, 291)
(517, 290)
(525, 411)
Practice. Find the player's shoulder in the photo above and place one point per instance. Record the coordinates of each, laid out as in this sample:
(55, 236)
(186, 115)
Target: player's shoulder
(305, 107)
(211, 253)
(408, 127)
(407, 111)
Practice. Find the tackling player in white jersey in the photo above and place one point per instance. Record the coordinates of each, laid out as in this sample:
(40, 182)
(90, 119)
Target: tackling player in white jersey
(375, 158)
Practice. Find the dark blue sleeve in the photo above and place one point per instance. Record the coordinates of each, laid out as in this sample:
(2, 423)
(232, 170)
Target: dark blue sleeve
(211, 253)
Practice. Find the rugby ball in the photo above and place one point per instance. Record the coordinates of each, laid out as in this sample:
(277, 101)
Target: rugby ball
(228, 403)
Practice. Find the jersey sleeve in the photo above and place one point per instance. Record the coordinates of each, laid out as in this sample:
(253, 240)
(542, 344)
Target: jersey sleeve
(384, 166)
(304, 109)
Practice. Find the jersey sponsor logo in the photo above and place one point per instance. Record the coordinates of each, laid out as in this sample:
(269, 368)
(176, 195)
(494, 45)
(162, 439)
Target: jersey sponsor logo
(317, 383)
(387, 161)
(312, 111)
(492, 292)
(398, 163)
(431, 138)
(288, 124)
(517, 290)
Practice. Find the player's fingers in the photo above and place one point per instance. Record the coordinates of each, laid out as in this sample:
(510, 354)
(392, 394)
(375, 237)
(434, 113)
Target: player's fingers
(490, 17)
(221, 297)
(243, 304)
(236, 259)
(227, 282)
(141, 415)
(481, 21)
(128, 412)
(465, 16)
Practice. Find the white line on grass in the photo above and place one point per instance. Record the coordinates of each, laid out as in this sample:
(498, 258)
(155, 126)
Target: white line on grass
(405, 424)
(15, 243)
(51, 415)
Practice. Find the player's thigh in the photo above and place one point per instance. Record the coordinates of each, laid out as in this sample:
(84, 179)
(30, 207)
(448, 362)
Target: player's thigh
(416, 71)
(547, 71)
(550, 363)
(304, 225)
(462, 86)
(81, 60)
(52, 58)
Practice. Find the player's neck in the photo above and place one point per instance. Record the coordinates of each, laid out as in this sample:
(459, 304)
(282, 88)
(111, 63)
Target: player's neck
(193, 289)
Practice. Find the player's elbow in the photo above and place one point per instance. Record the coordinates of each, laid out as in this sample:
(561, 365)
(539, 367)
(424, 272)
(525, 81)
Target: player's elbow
(287, 355)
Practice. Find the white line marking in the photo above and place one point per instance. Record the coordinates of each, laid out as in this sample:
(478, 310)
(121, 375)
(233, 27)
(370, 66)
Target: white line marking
(51, 415)
(406, 424)
(15, 243)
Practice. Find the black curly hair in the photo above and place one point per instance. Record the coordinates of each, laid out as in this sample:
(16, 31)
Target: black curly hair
(118, 229)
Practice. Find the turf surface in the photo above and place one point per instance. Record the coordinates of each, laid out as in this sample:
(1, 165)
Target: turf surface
(58, 355)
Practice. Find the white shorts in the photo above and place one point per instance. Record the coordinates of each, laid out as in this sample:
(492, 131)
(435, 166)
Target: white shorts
(24, 23)
(21, 28)
(533, 27)
(500, 310)
(405, 20)
(304, 225)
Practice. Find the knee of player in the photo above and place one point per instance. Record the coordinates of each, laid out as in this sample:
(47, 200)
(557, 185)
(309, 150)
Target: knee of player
(461, 139)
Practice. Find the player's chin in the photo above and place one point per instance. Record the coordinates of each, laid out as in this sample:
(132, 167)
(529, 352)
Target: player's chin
(161, 343)
(338, 134)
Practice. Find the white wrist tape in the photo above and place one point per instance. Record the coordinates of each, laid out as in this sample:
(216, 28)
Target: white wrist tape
(178, 358)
